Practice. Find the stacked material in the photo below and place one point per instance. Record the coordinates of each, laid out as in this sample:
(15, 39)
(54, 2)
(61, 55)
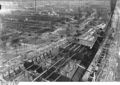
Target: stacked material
(90, 37)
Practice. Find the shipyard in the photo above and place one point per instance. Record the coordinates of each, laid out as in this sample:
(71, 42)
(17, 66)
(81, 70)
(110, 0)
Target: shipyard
(57, 41)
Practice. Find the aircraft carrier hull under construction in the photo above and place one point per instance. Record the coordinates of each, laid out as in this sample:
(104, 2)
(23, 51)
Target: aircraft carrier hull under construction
(63, 55)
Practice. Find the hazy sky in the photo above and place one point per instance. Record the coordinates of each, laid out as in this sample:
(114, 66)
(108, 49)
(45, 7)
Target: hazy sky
(30, 3)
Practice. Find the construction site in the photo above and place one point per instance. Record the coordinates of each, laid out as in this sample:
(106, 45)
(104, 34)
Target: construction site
(51, 40)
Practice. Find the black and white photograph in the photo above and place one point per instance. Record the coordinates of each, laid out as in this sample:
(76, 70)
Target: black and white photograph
(59, 41)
